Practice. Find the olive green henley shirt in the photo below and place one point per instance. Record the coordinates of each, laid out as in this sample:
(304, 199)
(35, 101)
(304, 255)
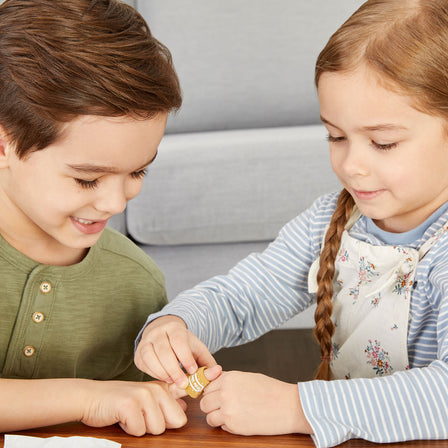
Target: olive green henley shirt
(80, 320)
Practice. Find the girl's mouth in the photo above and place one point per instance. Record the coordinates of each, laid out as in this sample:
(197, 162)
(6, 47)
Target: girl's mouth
(367, 195)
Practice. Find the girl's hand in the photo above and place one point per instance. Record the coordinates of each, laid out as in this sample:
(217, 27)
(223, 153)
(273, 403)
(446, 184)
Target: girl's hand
(139, 408)
(165, 343)
(251, 403)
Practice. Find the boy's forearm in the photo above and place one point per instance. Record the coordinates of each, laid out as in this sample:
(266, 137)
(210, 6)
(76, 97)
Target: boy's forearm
(28, 404)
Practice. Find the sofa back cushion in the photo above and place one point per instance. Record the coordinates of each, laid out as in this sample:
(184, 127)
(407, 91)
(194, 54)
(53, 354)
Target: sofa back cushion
(230, 186)
(245, 63)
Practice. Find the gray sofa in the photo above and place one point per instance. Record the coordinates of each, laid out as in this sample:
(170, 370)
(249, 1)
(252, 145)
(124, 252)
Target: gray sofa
(246, 153)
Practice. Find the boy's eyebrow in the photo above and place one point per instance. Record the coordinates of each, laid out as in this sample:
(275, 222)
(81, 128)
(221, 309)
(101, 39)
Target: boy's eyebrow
(377, 127)
(89, 168)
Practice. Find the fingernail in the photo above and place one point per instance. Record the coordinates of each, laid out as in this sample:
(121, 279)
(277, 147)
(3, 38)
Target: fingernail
(182, 383)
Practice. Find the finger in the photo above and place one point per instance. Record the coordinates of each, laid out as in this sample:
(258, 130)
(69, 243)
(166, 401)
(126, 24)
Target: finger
(215, 419)
(202, 354)
(154, 417)
(183, 352)
(168, 360)
(227, 429)
(212, 373)
(133, 424)
(143, 355)
(177, 392)
(215, 385)
(151, 364)
(182, 404)
(210, 402)
(173, 412)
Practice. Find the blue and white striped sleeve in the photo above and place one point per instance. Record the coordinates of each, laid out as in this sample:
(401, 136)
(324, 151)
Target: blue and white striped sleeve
(408, 405)
(262, 291)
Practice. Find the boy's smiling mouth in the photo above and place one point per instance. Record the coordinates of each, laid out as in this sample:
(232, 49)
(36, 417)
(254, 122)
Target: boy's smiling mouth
(83, 221)
(87, 226)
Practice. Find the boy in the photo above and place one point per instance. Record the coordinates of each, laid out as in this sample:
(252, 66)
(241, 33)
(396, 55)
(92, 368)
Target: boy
(85, 90)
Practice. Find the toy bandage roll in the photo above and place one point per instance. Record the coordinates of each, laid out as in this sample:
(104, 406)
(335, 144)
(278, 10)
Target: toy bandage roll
(196, 383)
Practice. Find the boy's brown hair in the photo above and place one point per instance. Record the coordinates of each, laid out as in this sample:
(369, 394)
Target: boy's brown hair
(63, 58)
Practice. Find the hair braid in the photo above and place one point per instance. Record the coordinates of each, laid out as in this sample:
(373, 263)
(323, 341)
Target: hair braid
(324, 328)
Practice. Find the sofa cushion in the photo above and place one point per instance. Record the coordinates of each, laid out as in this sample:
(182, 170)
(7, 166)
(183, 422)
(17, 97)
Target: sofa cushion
(230, 186)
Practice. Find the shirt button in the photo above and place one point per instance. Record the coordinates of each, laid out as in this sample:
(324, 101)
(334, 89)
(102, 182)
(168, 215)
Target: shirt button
(38, 317)
(45, 287)
(29, 351)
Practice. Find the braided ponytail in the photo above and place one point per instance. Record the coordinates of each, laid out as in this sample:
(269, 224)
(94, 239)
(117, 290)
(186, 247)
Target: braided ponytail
(324, 328)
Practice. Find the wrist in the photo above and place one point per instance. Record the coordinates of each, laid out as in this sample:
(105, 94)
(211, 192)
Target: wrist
(298, 422)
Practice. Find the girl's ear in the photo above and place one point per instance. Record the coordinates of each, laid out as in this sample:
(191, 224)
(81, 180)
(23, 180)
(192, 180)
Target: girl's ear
(5, 149)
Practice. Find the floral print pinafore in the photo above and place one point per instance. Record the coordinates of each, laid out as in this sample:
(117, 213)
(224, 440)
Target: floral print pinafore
(372, 293)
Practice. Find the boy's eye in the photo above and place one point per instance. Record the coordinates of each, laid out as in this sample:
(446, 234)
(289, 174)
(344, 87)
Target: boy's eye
(139, 174)
(94, 183)
(87, 183)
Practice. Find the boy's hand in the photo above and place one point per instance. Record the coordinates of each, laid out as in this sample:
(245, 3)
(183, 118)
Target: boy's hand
(251, 403)
(165, 343)
(139, 408)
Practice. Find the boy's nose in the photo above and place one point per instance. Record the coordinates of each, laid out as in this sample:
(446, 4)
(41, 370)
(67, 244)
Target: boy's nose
(112, 201)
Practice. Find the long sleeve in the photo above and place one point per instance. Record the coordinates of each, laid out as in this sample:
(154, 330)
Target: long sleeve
(262, 291)
(266, 289)
(408, 405)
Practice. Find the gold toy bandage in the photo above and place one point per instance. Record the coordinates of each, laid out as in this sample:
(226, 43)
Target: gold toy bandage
(196, 383)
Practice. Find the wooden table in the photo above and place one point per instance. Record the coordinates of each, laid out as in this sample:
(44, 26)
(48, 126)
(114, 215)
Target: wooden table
(198, 434)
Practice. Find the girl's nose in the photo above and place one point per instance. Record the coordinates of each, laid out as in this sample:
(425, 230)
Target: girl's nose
(355, 162)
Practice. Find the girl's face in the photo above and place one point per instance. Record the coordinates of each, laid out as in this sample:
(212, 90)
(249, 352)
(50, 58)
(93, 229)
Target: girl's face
(56, 202)
(392, 158)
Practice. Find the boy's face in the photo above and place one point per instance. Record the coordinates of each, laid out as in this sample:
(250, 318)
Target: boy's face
(62, 197)
(391, 157)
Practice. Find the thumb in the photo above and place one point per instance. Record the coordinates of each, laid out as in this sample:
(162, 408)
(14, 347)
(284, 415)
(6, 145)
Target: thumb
(213, 372)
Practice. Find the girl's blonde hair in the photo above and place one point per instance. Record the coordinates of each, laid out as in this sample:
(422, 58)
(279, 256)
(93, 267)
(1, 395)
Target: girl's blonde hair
(405, 43)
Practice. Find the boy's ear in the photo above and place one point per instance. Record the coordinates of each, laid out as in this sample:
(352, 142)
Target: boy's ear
(5, 149)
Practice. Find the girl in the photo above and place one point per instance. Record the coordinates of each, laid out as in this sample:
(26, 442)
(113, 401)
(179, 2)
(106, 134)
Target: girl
(85, 90)
(373, 256)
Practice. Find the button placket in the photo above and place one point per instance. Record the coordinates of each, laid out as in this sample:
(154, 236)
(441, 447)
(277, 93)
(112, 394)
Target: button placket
(38, 317)
(27, 343)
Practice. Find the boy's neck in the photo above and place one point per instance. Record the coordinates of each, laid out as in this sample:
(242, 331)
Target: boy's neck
(42, 252)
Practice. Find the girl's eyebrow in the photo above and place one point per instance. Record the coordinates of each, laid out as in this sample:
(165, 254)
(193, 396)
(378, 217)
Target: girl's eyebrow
(89, 168)
(384, 127)
(325, 121)
(376, 127)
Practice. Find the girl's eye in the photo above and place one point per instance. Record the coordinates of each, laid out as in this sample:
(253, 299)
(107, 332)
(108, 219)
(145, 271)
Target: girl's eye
(87, 183)
(139, 174)
(332, 139)
(385, 147)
